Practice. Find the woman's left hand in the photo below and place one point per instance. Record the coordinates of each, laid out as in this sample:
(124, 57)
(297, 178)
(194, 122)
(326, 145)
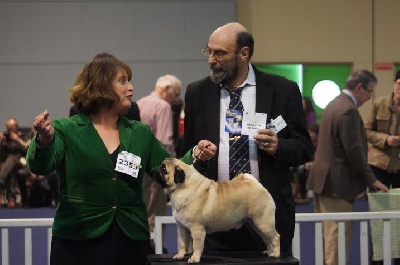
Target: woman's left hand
(205, 150)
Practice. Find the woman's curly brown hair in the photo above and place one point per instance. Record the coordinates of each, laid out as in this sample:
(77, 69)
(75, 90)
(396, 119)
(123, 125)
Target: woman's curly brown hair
(93, 86)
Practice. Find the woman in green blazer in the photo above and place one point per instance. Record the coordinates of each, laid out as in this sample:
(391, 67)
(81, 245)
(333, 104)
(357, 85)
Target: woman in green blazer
(101, 157)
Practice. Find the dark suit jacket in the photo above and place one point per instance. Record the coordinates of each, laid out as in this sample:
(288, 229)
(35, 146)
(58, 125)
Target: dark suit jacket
(340, 168)
(275, 95)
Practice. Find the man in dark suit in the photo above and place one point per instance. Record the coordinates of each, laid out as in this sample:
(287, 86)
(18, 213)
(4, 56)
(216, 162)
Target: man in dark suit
(340, 171)
(229, 51)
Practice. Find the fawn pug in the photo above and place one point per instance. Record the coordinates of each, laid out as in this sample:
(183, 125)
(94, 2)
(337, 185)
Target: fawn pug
(202, 206)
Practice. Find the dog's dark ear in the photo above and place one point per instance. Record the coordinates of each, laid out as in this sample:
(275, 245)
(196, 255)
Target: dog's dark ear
(157, 175)
(179, 176)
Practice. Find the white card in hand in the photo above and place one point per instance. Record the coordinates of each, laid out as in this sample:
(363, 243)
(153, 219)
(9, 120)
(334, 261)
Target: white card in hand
(253, 122)
(279, 123)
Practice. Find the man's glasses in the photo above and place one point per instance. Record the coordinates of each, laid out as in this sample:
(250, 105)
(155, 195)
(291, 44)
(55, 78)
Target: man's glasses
(218, 54)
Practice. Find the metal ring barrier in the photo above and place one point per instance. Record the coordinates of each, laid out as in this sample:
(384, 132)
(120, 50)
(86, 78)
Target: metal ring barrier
(28, 224)
(318, 218)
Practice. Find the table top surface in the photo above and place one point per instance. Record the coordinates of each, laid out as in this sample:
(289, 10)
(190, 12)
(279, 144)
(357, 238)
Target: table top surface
(224, 258)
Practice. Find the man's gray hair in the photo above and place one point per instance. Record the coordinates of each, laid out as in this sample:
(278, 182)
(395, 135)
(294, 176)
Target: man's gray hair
(364, 77)
(168, 80)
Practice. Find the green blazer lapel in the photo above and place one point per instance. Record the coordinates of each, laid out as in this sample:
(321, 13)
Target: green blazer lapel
(90, 133)
(125, 134)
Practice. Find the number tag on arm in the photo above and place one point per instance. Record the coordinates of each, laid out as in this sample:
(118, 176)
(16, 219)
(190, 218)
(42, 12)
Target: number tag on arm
(128, 163)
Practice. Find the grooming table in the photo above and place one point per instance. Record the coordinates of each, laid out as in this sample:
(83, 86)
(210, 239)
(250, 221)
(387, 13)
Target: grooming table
(242, 258)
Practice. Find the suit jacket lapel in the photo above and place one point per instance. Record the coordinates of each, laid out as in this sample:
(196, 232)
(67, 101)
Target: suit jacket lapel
(363, 136)
(212, 107)
(264, 94)
(362, 128)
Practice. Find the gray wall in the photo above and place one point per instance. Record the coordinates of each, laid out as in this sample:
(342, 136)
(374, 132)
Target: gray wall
(43, 45)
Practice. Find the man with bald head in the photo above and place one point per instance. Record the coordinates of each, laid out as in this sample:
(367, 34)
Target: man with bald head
(156, 111)
(265, 153)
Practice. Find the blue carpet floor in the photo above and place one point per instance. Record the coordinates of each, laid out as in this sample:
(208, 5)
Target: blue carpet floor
(16, 235)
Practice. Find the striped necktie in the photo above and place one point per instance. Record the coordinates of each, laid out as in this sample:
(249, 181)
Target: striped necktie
(238, 144)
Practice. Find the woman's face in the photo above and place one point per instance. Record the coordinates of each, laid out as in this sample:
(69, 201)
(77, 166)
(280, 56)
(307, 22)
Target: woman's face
(124, 90)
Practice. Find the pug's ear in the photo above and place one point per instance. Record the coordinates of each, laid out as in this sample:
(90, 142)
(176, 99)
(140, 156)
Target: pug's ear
(179, 176)
(157, 175)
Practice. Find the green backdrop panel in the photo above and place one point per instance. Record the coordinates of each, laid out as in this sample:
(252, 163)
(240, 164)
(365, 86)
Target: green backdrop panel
(307, 75)
(312, 74)
(396, 68)
(290, 71)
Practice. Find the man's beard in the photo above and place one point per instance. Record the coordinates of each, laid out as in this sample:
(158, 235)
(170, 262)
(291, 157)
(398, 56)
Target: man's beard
(217, 76)
(221, 76)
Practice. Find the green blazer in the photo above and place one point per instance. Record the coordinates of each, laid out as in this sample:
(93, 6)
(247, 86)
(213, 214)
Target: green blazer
(92, 193)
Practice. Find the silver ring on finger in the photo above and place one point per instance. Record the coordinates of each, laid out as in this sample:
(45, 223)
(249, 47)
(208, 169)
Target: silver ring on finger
(266, 144)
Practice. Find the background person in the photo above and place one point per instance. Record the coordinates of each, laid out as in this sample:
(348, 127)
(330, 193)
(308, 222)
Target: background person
(156, 111)
(302, 195)
(270, 155)
(300, 173)
(309, 112)
(13, 146)
(383, 133)
(178, 116)
(340, 171)
(101, 157)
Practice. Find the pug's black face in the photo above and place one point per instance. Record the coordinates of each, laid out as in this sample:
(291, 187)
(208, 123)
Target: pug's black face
(169, 174)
